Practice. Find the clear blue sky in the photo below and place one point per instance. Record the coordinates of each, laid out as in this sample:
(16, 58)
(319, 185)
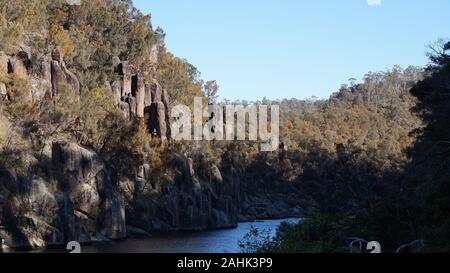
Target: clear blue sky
(296, 48)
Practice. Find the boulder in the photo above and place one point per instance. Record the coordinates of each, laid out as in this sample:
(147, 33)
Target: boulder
(29, 214)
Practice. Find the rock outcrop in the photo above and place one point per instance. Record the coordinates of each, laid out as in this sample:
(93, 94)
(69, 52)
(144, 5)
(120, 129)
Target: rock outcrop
(73, 200)
(44, 73)
(183, 200)
(136, 96)
(61, 75)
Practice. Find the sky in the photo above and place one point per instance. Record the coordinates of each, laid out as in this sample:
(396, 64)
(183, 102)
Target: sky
(296, 48)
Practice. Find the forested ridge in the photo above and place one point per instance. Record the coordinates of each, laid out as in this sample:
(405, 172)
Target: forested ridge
(393, 189)
(85, 92)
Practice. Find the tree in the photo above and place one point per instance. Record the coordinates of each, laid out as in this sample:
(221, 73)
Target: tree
(211, 91)
(123, 144)
(96, 105)
(429, 172)
(62, 40)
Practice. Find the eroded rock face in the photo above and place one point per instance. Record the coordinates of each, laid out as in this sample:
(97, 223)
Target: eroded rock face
(139, 97)
(185, 202)
(44, 73)
(89, 188)
(58, 77)
(19, 65)
(156, 91)
(75, 201)
(124, 71)
(71, 80)
(116, 88)
(112, 221)
(41, 78)
(165, 101)
(73, 164)
(61, 75)
(157, 120)
(148, 95)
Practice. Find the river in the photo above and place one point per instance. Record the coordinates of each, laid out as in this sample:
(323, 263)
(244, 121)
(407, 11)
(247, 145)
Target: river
(216, 241)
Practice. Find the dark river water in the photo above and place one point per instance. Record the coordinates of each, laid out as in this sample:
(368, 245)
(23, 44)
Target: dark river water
(216, 241)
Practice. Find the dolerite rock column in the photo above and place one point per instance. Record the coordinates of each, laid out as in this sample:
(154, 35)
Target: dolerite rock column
(158, 112)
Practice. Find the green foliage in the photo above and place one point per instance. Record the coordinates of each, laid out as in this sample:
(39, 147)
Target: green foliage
(66, 105)
(123, 144)
(90, 35)
(256, 241)
(62, 40)
(10, 36)
(180, 78)
(318, 233)
(429, 172)
(96, 105)
(356, 173)
(211, 91)
(93, 38)
(30, 14)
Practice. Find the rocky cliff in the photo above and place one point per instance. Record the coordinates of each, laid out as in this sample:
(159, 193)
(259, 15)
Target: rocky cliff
(138, 96)
(76, 201)
(66, 192)
(183, 200)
